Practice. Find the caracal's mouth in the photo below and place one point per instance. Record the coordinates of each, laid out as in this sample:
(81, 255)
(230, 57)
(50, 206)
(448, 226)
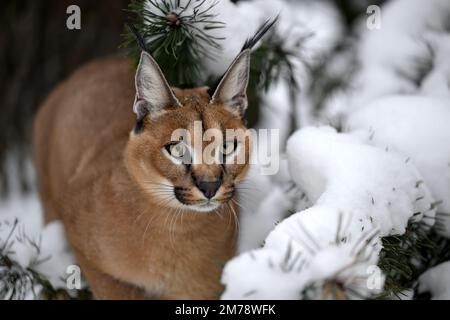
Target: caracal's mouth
(205, 207)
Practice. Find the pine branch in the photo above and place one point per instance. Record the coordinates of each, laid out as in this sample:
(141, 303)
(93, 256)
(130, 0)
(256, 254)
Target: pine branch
(272, 62)
(405, 257)
(18, 282)
(327, 81)
(176, 33)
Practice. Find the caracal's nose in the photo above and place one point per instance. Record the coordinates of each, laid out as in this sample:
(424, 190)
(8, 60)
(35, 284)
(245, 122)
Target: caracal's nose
(208, 188)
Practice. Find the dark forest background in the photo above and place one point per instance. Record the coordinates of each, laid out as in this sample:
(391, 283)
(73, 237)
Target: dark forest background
(37, 51)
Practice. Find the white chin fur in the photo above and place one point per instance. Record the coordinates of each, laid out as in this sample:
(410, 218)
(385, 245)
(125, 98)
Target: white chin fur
(204, 207)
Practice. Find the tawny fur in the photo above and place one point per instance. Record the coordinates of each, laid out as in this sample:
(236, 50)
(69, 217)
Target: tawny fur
(90, 167)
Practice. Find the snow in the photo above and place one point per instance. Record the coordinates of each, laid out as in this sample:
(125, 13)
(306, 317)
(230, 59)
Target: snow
(264, 200)
(317, 25)
(392, 56)
(399, 58)
(290, 261)
(436, 281)
(318, 21)
(418, 128)
(436, 83)
(359, 192)
(244, 277)
(256, 223)
(276, 110)
(348, 190)
(55, 247)
(389, 166)
(399, 97)
(54, 255)
(340, 170)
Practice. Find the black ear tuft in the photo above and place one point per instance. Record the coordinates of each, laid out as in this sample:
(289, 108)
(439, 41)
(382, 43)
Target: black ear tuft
(249, 44)
(262, 30)
(137, 36)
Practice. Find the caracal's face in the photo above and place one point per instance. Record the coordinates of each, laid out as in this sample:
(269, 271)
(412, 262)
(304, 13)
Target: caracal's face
(191, 156)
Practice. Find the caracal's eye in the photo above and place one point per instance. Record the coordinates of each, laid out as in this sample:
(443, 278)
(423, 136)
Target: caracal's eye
(229, 147)
(176, 150)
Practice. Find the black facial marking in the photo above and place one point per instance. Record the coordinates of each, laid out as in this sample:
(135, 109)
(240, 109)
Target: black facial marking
(139, 127)
(230, 191)
(180, 194)
(202, 122)
(168, 145)
(194, 178)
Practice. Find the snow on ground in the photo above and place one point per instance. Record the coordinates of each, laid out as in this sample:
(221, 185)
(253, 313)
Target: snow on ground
(52, 255)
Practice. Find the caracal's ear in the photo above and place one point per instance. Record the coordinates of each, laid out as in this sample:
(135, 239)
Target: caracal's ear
(231, 91)
(153, 93)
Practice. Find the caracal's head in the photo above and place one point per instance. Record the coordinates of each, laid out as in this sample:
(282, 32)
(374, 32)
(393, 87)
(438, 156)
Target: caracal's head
(188, 149)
